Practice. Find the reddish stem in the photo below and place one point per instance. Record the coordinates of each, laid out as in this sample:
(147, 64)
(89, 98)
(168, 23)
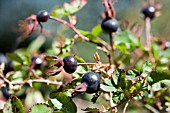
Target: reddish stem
(75, 30)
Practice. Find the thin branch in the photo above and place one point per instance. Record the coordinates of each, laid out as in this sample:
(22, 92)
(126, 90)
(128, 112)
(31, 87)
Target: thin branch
(41, 80)
(89, 63)
(76, 31)
(3, 77)
(48, 82)
(124, 110)
(151, 108)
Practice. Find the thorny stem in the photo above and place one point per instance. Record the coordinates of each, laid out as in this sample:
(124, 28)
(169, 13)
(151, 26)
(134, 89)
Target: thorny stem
(40, 80)
(48, 82)
(77, 32)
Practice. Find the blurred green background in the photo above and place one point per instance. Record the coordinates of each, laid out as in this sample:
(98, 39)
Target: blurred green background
(14, 10)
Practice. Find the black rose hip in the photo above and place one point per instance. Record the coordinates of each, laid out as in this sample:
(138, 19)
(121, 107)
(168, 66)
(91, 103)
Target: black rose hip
(92, 81)
(70, 64)
(110, 25)
(42, 16)
(149, 11)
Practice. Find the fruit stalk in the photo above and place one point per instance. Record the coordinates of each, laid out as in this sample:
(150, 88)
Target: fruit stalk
(148, 35)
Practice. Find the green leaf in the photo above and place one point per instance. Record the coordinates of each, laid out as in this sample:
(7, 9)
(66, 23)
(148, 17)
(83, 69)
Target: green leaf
(127, 39)
(115, 77)
(158, 75)
(93, 110)
(41, 107)
(108, 82)
(122, 79)
(13, 105)
(147, 68)
(68, 9)
(89, 35)
(108, 88)
(15, 57)
(56, 103)
(68, 106)
(156, 50)
(59, 12)
(36, 44)
(123, 48)
(96, 30)
(166, 53)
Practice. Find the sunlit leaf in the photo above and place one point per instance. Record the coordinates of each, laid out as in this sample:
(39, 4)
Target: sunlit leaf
(15, 57)
(68, 106)
(96, 30)
(158, 75)
(108, 88)
(41, 107)
(147, 68)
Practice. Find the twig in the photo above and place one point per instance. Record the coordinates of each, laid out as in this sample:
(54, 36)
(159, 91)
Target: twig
(89, 63)
(41, 80)
(107, 54)
(48, 82)
(76, 31)
(3, 77)
(151, 108)
(124, 110)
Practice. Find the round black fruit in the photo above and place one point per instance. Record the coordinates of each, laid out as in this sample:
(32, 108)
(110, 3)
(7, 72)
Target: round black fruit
(149, 12)
(37, 62)
(92, 81)
(110, 25)
(5, 92)
(70, 64)
(42, 16)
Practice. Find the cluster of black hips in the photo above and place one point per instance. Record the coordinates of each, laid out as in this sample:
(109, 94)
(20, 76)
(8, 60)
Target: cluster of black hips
(90, 81)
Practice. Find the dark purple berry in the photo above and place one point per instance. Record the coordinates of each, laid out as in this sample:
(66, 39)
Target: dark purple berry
(37, 62)
(92, 81)
(70, 64)
(110, 25)
(149, 11)
(5, 92)
(42, 16)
